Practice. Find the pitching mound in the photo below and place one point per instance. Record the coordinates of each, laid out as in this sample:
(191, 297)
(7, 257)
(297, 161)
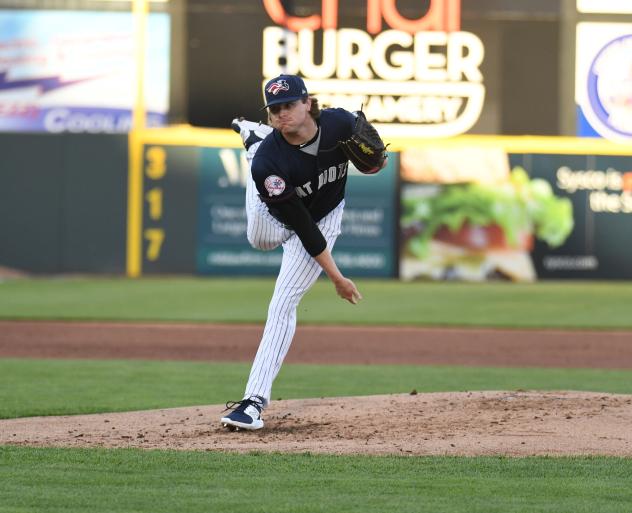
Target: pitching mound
(469, 423)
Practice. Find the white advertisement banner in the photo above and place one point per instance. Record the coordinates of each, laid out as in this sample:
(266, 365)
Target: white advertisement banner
(74, 71)
(603, 80)
(604, 6)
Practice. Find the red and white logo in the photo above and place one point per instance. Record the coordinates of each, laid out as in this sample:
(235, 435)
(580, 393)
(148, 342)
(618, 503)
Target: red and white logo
(275, 185)
(278, 86)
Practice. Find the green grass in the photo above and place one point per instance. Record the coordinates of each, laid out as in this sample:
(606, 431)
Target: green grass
(55, 387)
(94, 480)
(71, 480)
(545, 304)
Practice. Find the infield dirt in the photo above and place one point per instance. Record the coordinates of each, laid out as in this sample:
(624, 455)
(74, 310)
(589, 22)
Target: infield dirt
(517, 423)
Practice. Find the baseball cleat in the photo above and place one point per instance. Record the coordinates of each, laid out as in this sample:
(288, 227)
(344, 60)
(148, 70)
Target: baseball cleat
(246, 414)
(250, 131)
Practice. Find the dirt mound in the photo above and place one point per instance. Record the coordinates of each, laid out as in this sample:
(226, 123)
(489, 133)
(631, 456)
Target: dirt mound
(467, 423)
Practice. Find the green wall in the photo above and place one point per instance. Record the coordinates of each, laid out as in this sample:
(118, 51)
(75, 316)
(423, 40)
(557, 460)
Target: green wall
(63, 202)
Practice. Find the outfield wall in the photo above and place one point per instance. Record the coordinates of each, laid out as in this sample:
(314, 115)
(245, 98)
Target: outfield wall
(63, 202)
(171, 201)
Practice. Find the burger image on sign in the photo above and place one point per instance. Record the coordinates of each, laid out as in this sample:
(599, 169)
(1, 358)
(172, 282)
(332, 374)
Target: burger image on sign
(466, 216)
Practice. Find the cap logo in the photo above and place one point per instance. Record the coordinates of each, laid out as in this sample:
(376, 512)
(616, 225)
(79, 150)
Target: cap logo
(278, 86)
(275, 185)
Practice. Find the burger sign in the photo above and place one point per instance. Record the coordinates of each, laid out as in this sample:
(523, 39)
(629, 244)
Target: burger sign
(413, 77)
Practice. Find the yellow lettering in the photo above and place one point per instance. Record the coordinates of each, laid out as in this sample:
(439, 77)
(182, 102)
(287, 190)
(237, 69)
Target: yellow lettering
(156, 162)
(155, 237)
(154, 198)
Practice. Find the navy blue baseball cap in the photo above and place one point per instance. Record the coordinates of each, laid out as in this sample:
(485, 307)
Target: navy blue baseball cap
(284, 89)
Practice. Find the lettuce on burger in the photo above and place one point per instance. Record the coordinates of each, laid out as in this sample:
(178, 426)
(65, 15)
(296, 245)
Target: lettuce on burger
(480, 218)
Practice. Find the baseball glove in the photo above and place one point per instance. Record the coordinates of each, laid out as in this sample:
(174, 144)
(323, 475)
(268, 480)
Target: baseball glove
(365, 148)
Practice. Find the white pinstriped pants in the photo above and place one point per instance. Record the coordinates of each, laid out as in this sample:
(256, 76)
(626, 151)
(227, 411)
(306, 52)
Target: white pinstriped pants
(299, 271)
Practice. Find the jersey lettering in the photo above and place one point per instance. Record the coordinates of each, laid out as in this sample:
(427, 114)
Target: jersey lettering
(342, 170)
(308, 187)
(304, 190)
(327, 176)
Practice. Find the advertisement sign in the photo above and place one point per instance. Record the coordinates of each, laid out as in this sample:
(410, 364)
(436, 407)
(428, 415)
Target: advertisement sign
(222, 246)
(368, 241)
(604, 6)
(600, 189)
(415, 68)
(365, 248)
(73, 71)
(412, 77)
(468, 215)
(603, 80)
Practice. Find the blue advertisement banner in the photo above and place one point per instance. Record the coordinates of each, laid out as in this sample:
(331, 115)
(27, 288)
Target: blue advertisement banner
(368, 241)
(365, 248)
(222, 247)
(74, 71)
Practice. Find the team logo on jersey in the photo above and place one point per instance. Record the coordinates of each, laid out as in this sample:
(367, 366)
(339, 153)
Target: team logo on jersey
(278, 86)
(275, 185)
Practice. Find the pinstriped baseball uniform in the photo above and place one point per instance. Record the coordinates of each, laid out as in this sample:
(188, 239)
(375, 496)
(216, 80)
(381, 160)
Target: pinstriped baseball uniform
(315, 172)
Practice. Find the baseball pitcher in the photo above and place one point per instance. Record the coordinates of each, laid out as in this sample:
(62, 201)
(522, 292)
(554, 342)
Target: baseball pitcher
(295, 198)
